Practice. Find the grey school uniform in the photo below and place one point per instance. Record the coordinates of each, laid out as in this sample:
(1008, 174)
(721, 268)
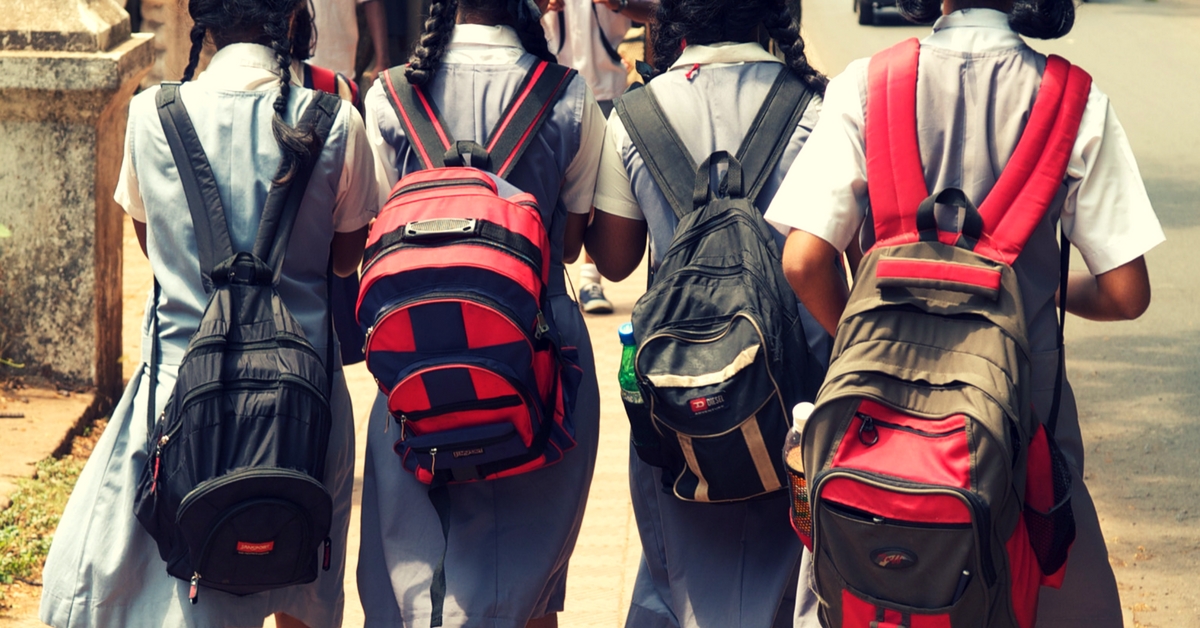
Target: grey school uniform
(104, 570)
(510, 539)
(977, 80)
(730, 565)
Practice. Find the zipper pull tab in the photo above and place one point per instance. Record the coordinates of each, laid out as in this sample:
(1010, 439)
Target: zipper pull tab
(157, 461)
(403, 423)
(542, 327)
(328, 554)
(194, 592)
(867, 433)
(433, 462)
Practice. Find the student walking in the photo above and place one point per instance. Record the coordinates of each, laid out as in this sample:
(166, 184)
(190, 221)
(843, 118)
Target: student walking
(507, 541)
(977, 81)
(104, 569)
(704, 564)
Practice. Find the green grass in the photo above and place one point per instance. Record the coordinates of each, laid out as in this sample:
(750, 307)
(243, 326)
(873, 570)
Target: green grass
(27, 527)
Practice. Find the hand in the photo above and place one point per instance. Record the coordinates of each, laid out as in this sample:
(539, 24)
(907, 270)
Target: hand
(554, 6)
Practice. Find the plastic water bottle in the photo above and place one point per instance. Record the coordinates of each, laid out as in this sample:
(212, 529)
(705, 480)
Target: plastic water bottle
(641, 429)
(630, 393)
(793, 457)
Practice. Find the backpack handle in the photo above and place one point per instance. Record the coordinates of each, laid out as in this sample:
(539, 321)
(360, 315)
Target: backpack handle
(972, 222)
(729, 186)
(464, 153)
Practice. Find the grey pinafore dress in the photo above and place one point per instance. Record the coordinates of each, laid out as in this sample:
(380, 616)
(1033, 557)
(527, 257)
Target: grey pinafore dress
(510, 539)
(730, 565)
(104, 570)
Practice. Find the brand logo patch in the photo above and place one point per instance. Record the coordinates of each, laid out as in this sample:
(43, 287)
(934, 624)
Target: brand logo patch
(255, 549)
(463, 453)
(893, 558)
(700, 405)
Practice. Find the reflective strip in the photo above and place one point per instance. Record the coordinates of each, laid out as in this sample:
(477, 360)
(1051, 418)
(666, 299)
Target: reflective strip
(689, 454)
(668, 380)
(762, 458)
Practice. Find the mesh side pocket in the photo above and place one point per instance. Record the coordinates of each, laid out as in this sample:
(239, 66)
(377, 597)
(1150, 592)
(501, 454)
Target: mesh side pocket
(1052, 532)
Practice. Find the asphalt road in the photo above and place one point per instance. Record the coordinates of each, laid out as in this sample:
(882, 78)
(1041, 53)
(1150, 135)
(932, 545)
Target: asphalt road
(1138, 383)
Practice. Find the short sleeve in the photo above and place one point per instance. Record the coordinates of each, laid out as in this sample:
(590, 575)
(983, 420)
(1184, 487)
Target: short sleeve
(579, 181)
(825, 190)
(357, 195)
(1107, 213)
(614, 191)
(127, 194)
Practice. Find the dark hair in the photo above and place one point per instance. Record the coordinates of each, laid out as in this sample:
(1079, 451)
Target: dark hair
(304, 33)
(712, 21)
(427, 57)
(1040, 19)
(268, 22)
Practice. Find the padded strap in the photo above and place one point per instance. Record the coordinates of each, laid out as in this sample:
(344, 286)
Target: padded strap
(199, 185)
(422, 126)
(772, 130)
(668, 160)
(526, 114)
(328, 81)
(896, 179)
(1029, 183)
(283, 201)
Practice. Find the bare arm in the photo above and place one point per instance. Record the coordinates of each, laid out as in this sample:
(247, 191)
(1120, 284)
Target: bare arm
(810, 265)
(616, 244)
(637, 10)
(573, 238)
(347, 251)
(140, 229)
(1121, 294)
(376, 15)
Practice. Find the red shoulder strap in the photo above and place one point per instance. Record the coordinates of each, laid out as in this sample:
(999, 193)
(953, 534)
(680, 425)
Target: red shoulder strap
(1029, 183)
(422, 125)
(1034, 173)
(323, 79)
(895, 178)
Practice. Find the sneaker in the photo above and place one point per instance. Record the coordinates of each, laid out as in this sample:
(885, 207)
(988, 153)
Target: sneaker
(591, 298)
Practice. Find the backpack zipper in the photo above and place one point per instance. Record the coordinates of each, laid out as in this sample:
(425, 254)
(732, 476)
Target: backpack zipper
(495, 403)
(478, 240)
(868, 434)
(429, 185)
(530, 338)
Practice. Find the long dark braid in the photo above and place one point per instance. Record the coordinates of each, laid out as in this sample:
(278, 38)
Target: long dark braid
(782, 27)
(264, 21)
(712, 21)
(1040, 19)
(427, 57)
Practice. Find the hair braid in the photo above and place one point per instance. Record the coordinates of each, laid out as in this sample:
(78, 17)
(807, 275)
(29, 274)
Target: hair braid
(670, 31)
(297, 144)
(427, 56)
(197, 35)
(783, 29)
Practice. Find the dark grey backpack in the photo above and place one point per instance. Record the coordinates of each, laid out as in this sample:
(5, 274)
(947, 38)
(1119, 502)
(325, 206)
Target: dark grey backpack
(232, 493)
(722, 354)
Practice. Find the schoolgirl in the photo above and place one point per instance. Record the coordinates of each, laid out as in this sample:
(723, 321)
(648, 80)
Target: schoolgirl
(704, 564)
(977, 80)
(104, 569)
(509, 540)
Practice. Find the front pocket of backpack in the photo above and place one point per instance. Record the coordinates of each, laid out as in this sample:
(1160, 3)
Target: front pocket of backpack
(255, 529)
(916, 548)
(741, 463)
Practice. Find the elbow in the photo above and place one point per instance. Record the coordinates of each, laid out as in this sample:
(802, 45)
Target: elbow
(1133, 308)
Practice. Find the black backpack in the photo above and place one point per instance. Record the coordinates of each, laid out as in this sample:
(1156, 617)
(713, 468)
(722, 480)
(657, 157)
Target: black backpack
(722, 355)
(232, 493)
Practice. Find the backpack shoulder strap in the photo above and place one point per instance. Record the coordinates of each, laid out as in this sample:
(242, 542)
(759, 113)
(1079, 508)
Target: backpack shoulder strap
(772, 130)
(895, 177)
(199, 185)
(283, 200)
(1034, 173)
(422, 125)
(326, 80)
(525, 115)
(668, 160)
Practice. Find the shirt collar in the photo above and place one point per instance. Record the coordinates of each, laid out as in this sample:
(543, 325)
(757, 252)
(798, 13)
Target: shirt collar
(480, 35)
(724, 52)
(974, 30)
(241, 67)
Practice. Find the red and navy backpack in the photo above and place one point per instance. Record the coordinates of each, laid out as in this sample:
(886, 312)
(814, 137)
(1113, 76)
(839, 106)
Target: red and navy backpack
(938, 498)
(460, 335)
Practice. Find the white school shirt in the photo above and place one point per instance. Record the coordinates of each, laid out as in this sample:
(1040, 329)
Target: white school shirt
(1106, 213)
(251, 67)
(582, 49)
(336, 43)
(477, 44)
(614, 192)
